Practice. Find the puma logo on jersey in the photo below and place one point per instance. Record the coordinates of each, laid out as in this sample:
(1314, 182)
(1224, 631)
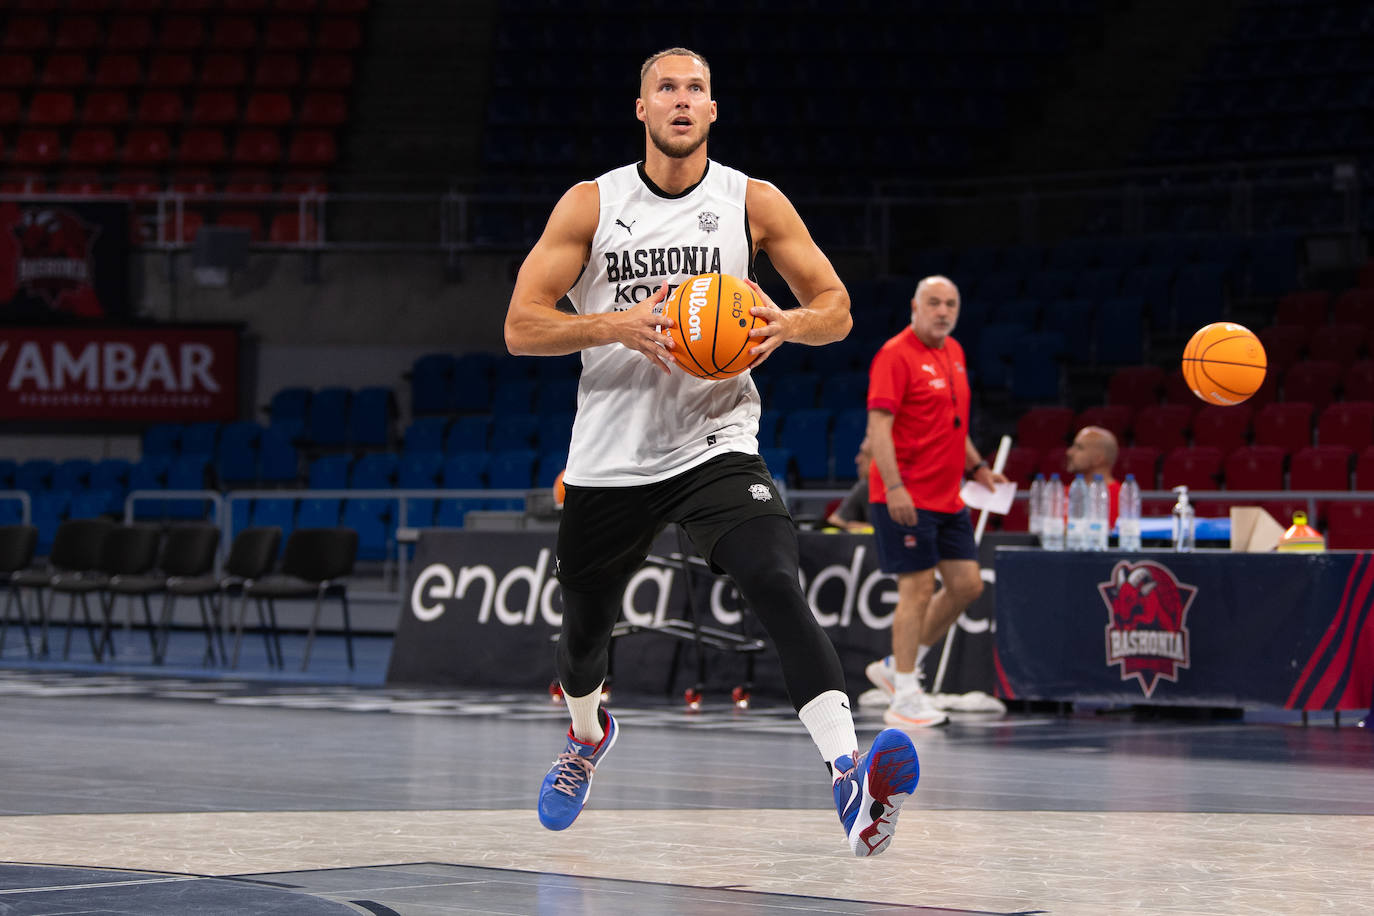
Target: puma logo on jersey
(625, 227)
(927, 367)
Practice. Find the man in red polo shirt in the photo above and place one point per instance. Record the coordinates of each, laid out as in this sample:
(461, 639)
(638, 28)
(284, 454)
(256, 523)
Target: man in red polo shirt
(918, 411)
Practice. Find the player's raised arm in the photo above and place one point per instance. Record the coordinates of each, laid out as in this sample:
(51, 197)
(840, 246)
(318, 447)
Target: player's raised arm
(778, 229)
(535, 326)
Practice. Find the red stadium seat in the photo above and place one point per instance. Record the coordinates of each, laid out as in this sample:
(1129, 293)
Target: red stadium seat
(330, 71)
(182, 33)
(1176, 390)
(1016, 519)
(118, 71)
(1304, 307)
(26, 33)
(159, 107)
(339, 34)
(286, 33)
(1255, 467)
(1226, 428)
(292, 228)
(1287, 424)
(1350, 526)
(1314, 381)
(243, 219)
(312, 149)
(1135, 386)
(1284, 344)
(137, 184)
(1358, 382)
(1341, 343)
(267, 109)
(1052, 462)
(36, 147)
(1022, 465)
(105, 108)
(130, 33)
(11, 110)
(1196, 467)
(16, 69)
(1364, 469)
(1163, 426)
(191, 221)
(1113, 417)
(52, 108)
(173, 71)
(146, 146)
(305, 184)
(1348, 423)
(324, 109)
(77, 33)
(1141, 461)
(93, 146)
(193, 181)
(203, 146)
(1282, 510)
(234, 33)
(64, 70)
(257, 147)
(1321, 467)
(214, 108)
(1044, 427)
(1354, 306)
(224, 71)
(249, 183)
(31, 184)
(277, 71)
(80, 185)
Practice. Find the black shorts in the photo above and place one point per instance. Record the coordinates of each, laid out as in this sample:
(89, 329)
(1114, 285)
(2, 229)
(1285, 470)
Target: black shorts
(936, 536)
(606, 531)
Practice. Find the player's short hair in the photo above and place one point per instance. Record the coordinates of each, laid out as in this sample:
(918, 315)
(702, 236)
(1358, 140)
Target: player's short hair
(672, 52)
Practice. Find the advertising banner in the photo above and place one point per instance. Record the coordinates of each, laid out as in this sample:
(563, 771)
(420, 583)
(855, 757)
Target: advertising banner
(63, 261)
(484, 609)
(1208, 628)
(156, 374)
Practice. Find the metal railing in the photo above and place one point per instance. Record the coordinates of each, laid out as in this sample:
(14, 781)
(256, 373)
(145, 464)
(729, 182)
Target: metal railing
(25, 504)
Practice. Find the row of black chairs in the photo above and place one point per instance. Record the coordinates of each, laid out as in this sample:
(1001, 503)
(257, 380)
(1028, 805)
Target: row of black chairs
(99, 557)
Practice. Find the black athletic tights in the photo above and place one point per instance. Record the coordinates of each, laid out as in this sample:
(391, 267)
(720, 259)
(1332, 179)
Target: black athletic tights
(760, 555)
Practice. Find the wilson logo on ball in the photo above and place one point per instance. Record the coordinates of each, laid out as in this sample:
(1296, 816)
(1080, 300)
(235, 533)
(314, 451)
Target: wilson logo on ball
(712, 314)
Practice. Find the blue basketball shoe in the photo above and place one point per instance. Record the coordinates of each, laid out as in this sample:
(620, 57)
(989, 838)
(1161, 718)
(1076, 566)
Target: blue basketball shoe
(870, 789)
(569, 780)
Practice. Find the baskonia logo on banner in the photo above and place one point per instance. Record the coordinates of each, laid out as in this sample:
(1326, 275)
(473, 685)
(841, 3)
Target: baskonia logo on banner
(1147, 609)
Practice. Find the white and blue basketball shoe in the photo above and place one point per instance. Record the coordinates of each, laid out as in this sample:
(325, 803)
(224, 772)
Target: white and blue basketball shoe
(870, 790)
(569, 780)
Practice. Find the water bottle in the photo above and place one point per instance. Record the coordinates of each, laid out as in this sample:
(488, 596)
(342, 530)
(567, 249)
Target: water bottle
(1128, 515)
(1052, 519)
(1037, 504)
(1183, 521)
(1077, 538)
(1099, 510)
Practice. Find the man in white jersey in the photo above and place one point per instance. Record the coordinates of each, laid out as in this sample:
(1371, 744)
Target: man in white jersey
(652, 445)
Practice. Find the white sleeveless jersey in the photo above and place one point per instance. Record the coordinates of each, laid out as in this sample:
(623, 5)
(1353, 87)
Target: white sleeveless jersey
(635, 425)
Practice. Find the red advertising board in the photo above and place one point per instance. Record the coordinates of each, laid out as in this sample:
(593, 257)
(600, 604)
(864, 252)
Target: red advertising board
(165, 374)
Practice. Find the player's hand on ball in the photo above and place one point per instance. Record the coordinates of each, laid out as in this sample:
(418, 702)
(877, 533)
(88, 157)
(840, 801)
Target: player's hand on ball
(770, 335)
(643, 328)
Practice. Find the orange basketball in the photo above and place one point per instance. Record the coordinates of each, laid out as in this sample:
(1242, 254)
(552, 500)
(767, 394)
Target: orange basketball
(1224, 363)
(560, 493)
(711, 340)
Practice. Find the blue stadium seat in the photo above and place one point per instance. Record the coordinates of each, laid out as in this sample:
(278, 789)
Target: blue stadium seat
(844, 390)
(513, 396)
(375, 522)
(35, 475)
(992, 363)
(1074, 319)
(431, 384)
(370, 416)
(317, 512)
(851, 425)
(512, 469)
(110, 474)
(794, 391)
(199, 439)
(11, 511)
(290, 405)
(375, 471)
(419, 470)
(806, 433)
(468, 434)
(1051, 283)
(451, 512)
(72, 474)
(240, 515)
(1101, 283)
(278, 461)
(779, 461)
(513, 430)
(1023, 312)
(49, 508)
(1154, 285)
(555, 430)
(326, 422)
(555, 394)
(508, 369)
(426, 434)
(7, 466)
(329, 472)
(279, 512)
(1035, 370)
(187, 472)
(550, 464)
(420, 512)
(551, 368)
(1119, 333)
(1200, 296)
(90, 503)
(162, 439)
(236, 456)
(465, 471)
(471, 384)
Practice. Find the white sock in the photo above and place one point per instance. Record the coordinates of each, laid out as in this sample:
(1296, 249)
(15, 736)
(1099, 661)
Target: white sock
(904, 682)
(921, 654)
(586, 720)
(828, 719)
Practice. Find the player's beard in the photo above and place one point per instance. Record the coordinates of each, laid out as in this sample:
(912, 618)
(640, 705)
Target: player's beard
(678, 147)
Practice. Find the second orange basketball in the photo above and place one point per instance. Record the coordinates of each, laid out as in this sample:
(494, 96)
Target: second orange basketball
(711, 340)
(1224, 363)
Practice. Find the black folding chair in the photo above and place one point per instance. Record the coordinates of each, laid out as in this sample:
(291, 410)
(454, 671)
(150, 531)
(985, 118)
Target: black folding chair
(251, 556)
(314, 562)
(188, 549)
(17, 543)
(75, 550)
(126, 550)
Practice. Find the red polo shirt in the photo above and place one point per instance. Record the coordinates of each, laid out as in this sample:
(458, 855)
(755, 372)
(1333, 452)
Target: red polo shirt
(926, 391)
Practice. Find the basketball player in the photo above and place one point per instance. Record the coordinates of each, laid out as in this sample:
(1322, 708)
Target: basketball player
(1094, 451)
(652, 445)
(918, 409)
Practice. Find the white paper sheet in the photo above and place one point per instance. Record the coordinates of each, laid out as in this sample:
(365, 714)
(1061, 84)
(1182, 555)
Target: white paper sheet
(977, 496)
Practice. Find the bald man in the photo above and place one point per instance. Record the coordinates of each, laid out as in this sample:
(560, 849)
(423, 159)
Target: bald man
(1094, 451)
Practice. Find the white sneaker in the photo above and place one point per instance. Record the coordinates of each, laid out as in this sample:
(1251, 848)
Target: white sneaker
(914, 710)
(973, 702)
(882, 674)
(873, 698)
